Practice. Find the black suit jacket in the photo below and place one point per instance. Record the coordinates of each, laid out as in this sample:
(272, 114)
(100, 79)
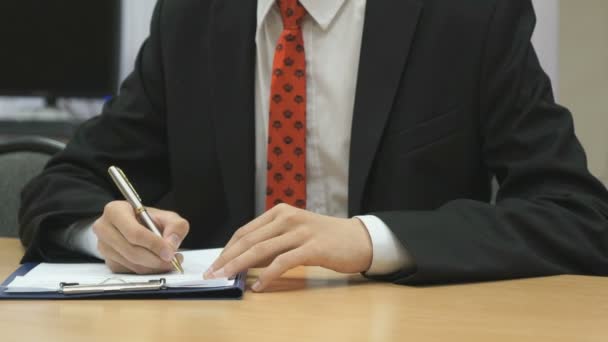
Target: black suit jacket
(450, 94)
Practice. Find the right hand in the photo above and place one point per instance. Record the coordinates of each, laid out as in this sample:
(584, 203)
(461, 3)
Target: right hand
(129, 247)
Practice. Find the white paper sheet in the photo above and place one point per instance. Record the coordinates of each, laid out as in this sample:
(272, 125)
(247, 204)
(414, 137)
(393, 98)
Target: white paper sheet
(48, 277)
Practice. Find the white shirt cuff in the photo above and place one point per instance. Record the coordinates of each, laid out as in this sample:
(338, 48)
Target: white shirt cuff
(389, 254)
(79, 237)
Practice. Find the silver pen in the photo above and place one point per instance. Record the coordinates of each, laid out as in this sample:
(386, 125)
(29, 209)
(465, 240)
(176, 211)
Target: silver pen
(127, 190)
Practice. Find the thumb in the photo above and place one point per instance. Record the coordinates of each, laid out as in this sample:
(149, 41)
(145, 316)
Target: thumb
(173, 227)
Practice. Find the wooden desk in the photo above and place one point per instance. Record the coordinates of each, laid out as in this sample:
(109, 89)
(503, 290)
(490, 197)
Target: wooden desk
(311, 304)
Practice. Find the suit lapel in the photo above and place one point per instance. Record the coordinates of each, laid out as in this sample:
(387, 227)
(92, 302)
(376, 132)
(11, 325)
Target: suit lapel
(232, 63)
(390, 26)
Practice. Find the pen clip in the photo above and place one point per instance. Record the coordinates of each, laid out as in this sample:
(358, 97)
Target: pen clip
(124, 177)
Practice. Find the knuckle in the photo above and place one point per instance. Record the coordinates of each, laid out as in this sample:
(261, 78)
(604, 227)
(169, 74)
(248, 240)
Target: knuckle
(282, 207)
(162, 268)
(185, 225)
(173, 216)
(139, 269)
(309, 254)
(304, 233)
(128, 234)
(281, 261)
(246, 241)
(181, 227)
(314, 248)
(113, 266)
(239, 233)
(136, 236)
(110, 207)
(101, 247)
(131, 255)
(97, 227)
(167, 216)
(261, 248)
(291, 217)
(154, 264)
(113, 209)
(156, 246)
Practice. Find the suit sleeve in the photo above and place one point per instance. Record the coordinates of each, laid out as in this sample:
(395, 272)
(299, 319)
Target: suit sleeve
(551, 214)
(130, 133)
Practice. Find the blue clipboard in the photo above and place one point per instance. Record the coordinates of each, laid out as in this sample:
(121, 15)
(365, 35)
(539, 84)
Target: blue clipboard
(228, 292)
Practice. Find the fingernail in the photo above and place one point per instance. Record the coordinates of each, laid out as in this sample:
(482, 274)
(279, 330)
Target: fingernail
(166, 255)
(208, 273)
(175, 240)
(257, 287)
(221, 273)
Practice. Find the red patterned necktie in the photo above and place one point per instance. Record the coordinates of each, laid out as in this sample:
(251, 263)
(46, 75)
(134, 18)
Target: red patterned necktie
(286, 175)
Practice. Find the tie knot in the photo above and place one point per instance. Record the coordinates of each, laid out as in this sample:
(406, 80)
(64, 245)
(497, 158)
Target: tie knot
(292, 12)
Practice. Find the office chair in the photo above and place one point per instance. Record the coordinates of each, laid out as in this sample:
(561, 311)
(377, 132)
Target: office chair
(21, 159)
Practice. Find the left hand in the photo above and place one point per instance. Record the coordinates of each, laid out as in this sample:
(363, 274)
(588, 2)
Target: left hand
(286, 237)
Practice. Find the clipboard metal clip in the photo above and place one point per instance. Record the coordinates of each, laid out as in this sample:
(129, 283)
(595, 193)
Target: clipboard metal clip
(106, 286)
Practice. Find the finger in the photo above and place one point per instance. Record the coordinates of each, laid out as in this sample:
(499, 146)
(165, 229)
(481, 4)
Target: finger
(265, 233)
(174, 227)
(180, 258)
(110, 235)
(138, 235)
(267, 249)
(257, 223)
(118, 264)
(279, 266)
(262, 263)
(117, 268)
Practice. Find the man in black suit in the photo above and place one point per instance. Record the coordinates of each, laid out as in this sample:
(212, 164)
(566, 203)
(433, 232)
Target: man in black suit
(438, 97)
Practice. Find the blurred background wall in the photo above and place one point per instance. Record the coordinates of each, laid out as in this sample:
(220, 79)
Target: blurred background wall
(583, 70)
(546, 38)
(136, 24)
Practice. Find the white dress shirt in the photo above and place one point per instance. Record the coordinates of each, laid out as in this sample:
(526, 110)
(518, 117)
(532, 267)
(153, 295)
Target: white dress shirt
(333, 33)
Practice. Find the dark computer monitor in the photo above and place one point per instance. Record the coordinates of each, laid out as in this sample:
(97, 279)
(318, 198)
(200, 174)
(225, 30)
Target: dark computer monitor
(59, 48)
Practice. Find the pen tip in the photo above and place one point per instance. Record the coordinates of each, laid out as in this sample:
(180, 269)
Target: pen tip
(178, 267)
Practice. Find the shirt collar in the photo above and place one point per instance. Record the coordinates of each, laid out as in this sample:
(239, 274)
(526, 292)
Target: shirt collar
(322, 11)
